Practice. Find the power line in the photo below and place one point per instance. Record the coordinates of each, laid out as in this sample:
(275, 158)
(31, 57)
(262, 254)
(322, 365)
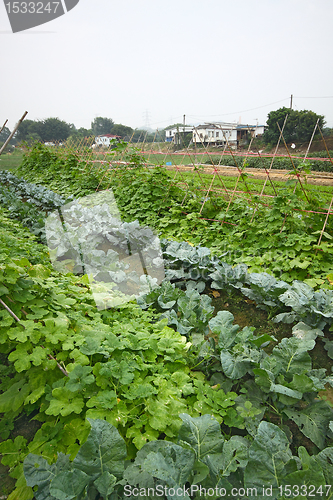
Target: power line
(245, 110)
(316, 97)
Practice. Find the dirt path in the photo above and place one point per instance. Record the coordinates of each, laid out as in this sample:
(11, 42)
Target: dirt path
(319, 178)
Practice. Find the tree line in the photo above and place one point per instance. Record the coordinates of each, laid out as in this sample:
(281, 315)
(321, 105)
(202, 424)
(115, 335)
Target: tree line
(56, 130)
(299, 128)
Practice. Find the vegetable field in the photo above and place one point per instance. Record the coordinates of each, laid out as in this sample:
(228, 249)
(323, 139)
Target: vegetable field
(215, 382)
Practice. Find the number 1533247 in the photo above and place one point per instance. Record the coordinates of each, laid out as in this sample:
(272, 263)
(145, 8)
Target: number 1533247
(32, 7)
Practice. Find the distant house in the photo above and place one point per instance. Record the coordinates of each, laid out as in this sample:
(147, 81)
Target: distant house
(213, 133)
(245, 132)
(220, 133)
(105, 140)
(174, 134)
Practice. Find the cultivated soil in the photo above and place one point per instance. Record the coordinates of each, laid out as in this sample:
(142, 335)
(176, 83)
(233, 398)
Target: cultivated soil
(319, 178)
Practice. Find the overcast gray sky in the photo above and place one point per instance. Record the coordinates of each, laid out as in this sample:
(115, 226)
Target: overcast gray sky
(130, 60)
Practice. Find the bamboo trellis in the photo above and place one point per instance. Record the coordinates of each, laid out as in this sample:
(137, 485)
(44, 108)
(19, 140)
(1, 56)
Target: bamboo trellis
(109, 164)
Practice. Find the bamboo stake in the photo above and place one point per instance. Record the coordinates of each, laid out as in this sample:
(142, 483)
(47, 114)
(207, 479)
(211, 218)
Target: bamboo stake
(3, 126)
(267, 172)
(313, 133)
(212, 162)
(234, 191)
(308, 149)
(298, 177)
(270, 167)
(114, 170)
(322, 231)
(19, 321)
(236, 164)
(168, 151)
(178, 171)
(275, 153)
(13, 132)
(218, 173)
(327, 151)
(211, 159)
(206, 197)
(151, 147)
(10, 312)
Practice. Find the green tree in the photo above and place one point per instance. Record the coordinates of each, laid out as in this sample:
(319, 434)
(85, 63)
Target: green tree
(327, 131)
(299, 125)
(26, 129)
(4, 134)
(32, 138)
(50, 129)
(53, 129)
(101, 126)
(80, 139)
(122, 131)
(146, 136)
(81, 135)
(85, 132)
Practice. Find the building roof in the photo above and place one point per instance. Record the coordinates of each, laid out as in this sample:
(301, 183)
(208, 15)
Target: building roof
(250, 127)
(228, 126)
(110, 136)
(217, 125)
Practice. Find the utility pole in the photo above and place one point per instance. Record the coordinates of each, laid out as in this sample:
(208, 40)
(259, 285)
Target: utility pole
(291, 101)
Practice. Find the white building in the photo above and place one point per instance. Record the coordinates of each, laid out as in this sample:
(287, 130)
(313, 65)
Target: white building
(105, 140)
(221, 133)
(173, 134)
(244, 132)
(212, 133)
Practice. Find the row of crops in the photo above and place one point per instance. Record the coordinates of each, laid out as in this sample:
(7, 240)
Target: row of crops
(311, 164)
(165, 396)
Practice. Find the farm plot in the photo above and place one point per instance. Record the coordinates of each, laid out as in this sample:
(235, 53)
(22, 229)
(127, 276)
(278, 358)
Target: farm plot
(176, 393)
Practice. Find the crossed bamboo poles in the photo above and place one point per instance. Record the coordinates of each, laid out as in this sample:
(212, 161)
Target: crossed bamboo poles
(117, 170)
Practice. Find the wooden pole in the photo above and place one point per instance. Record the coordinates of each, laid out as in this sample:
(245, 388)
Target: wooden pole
(11, 135)
(3, 126)
(308, 149)
(322, 231)
(274, 155)
(309, 146)
(19, 321)
(10, 312)
(298, 179)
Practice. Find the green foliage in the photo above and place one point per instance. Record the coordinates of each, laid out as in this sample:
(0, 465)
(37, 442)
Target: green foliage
(285, 378)
(102, 126)
(201, 461)
(66, 362)
(187, 311)
(50, 129)
(42, 165)
(122, 131)
(299, 126)
(280, 239)
(95, 469)
(28, 202)
(71, 362)
(279, 163)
